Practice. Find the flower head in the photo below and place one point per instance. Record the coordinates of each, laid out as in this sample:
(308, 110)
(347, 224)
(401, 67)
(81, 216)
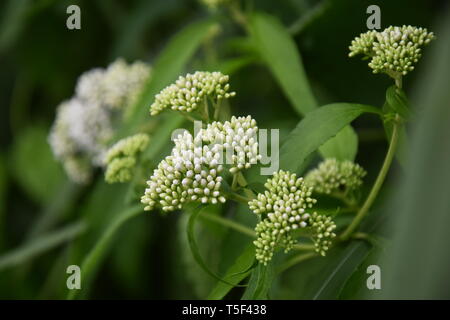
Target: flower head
(283, 209)
(393, 51)
(84, 125)
(121, 157)
(190, 174)
(332, 175)
(189, 91)
(238, 139)
(114, 87)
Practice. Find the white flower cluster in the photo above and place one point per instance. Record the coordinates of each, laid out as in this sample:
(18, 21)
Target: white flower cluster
(121, 157)
(238, 140)
(332, 175)
(84, 125)
(190, 173)
(115, 87)
(283, 208)
(393, 51)
(189, 91)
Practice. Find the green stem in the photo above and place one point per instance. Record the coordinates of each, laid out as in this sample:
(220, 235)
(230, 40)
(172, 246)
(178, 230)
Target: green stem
(205, 102)
(234, 182)
(377, 185)
(350, 203)
(398, 82)
(307, 247)
(296, 259)
(229, 223)
(217, 110)
(91, 261)
(237, 197)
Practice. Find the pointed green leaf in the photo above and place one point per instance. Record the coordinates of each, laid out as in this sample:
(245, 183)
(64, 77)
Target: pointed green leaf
(315, 129)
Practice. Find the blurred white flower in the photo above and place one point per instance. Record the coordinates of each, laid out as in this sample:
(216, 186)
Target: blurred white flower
(85, 124)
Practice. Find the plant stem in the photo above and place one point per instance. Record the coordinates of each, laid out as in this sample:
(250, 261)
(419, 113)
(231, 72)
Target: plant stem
(351, 204)
(296, 259)
(303, 247)
(217, 110)
(206, 110)
(229, 223)
(234, 182)
(398, 82)
(378, 182)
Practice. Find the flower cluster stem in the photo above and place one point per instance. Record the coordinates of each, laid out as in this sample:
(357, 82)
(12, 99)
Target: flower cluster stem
(229, 223)
(378, 182)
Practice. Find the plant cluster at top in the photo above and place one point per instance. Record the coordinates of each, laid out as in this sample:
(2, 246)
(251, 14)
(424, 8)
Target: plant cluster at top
(393, 51)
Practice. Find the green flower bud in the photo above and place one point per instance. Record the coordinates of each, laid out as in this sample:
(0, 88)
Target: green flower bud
(189, 91)
(394, 51)
(332, 175)
(121, 157)
(283, 209)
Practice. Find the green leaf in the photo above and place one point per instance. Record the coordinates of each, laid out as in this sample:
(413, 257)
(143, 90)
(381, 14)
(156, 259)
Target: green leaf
(238, 271)
(33, 165)
(343, 146)
(143, 17)
(280, 54)
(397, 102)
(315, 129)
(260, 282)
(194, 247)
(339, 270)
(356, 286)
(40, 245)
(95, 256)
(169, 65)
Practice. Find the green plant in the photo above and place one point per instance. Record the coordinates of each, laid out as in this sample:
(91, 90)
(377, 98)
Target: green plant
(180, 146)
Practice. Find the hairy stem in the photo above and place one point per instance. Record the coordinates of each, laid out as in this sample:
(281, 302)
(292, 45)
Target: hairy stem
(378, 183)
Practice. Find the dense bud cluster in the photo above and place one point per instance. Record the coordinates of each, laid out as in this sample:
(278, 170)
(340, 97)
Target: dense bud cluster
(332, 175)
(323, 232)
(189, 91)
(121, 157)
(84, 125)
(193, 170)
(238, 140)
(283, 208)
(190, 173)
(393, 51)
